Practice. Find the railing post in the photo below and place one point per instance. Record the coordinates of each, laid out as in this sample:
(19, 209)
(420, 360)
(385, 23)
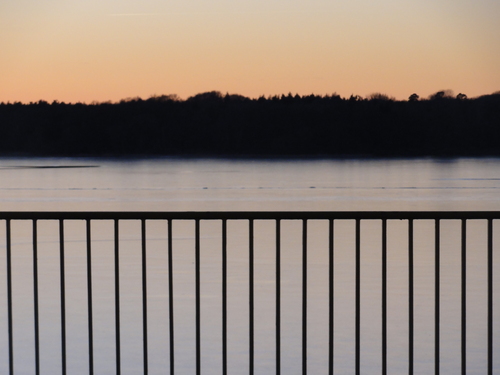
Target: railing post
(35, 298)
(89, 298)
(464, 296)
(384, 297)
(490, 297)
(144, 298)
(224, 297)
(278, 297)
(358, 297)
(63, 295)
(437, 267)
(251, 295)
(304, 296)
(117, 297)
(9, 295)
(198, 292)
(331, 296)
(410, 297)
(170, 296)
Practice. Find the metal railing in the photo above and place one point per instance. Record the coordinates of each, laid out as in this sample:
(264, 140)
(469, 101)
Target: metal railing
(251, 217)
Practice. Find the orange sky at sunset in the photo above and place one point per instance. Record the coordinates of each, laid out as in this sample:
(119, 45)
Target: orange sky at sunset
(99, 50)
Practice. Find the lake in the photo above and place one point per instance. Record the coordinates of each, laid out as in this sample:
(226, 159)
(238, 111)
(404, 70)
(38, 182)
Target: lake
(201, 185)
(226, 185)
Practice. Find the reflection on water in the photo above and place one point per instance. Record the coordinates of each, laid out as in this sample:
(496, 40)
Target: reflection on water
(227, 185)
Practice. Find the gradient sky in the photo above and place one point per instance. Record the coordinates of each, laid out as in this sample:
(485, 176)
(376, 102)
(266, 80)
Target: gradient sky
(86, 50)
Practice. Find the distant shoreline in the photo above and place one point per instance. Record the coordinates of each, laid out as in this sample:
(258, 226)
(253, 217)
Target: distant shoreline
(212, 125)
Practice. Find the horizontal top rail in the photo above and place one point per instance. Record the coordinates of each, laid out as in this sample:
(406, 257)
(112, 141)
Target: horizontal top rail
(246, 215)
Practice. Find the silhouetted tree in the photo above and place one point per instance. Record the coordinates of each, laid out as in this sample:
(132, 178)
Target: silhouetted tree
(413, 98)
(206, 96)
(212, 124)
(441, 95)
(379, 96)
(355, 98)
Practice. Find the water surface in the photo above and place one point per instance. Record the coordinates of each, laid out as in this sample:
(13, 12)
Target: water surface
(202, 185)
(173, 184)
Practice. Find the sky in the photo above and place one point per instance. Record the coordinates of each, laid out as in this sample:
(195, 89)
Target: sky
(107, 50)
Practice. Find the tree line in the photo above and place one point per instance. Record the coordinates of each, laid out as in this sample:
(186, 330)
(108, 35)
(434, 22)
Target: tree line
(215, 125)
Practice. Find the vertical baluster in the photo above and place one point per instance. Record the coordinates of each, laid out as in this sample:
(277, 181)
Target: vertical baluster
(170, 296)
(198, 311)
(410, 298)
(278, 297)
(437, 307)
(9, 295)
(384, 296)
(224, 297)
(117, 298)
(331, 296)
(35, 298)
(144, 299)
(89, 299)
(490, 297)
(251, 296)
(63, 296)
(304, 297)
(358, 297)
(464, 295)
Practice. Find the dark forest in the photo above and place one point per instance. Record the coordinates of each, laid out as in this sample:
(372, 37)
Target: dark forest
(216, 125)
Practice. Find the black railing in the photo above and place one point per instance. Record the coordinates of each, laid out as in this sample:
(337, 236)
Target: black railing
(277, 217)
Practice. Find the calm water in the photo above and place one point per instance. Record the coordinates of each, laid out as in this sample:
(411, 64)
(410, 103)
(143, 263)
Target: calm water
(200, 185)
(225, 185)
